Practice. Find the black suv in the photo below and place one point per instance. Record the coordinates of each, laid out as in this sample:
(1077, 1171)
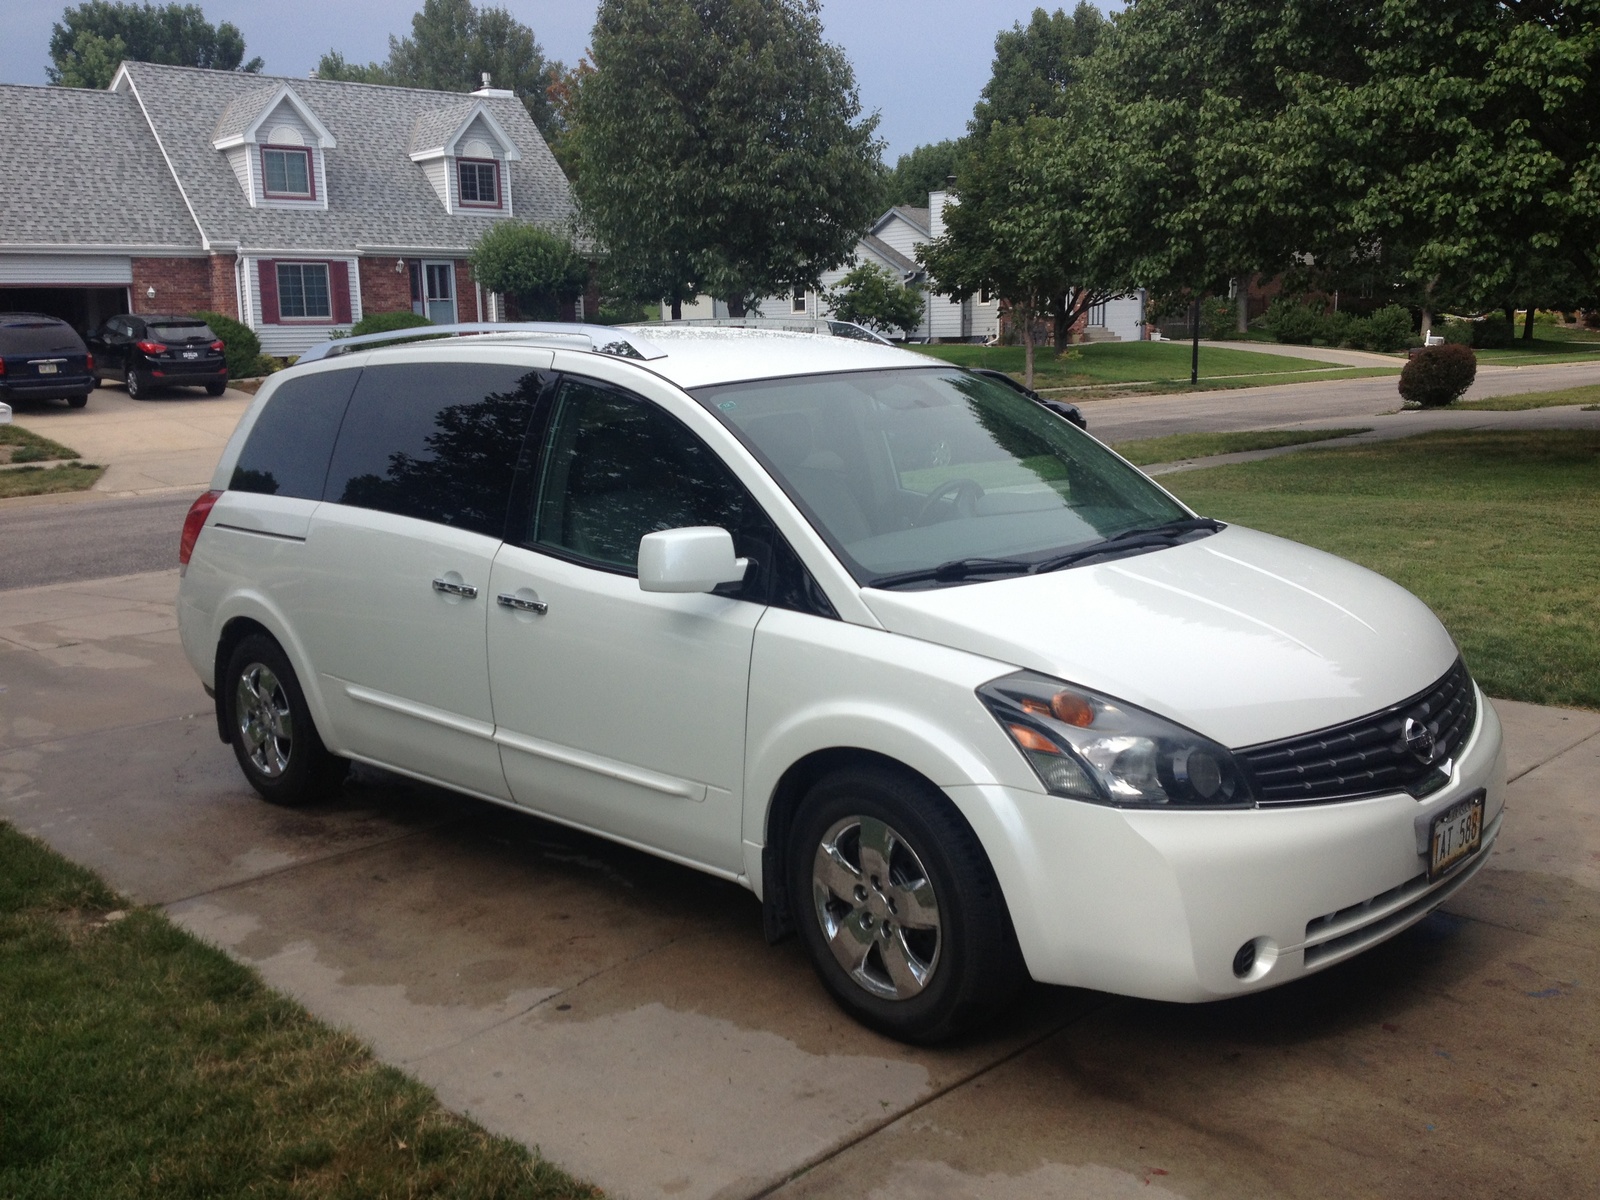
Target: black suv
(42, 358)
(153, 351)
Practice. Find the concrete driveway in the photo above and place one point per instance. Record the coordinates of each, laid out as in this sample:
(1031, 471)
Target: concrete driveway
(625, 1015)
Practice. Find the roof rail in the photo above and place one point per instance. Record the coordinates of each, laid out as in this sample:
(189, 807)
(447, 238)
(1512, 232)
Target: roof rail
(597, 339)
(824, 325)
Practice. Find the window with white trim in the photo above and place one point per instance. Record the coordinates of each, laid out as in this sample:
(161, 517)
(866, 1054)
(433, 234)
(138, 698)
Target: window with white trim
(303, 291)
(479, 181)
(797, 305)
(286, 173)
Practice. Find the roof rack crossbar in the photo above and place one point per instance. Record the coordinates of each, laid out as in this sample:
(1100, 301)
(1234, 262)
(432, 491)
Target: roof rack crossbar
(598, 339)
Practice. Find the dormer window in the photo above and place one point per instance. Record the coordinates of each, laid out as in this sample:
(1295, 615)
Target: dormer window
(286, 173)
(480, 182)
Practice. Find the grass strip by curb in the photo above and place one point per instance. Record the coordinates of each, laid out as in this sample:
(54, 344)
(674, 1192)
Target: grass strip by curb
(1561, 397)
(43, 481)
(27, 446)
(1101, 363)
(1497, 530)
(1142, 452)
(135, 1060)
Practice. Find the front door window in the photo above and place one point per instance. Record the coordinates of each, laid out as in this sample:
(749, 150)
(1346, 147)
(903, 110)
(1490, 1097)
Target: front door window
(439, 283)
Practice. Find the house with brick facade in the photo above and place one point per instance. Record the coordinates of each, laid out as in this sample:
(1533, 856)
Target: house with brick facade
(294, 205)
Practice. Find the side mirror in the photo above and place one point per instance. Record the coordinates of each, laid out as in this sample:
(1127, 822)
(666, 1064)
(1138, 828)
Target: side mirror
(696, 559)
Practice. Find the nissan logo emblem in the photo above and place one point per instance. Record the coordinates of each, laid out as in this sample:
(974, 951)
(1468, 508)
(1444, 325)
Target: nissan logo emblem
(1420, 741)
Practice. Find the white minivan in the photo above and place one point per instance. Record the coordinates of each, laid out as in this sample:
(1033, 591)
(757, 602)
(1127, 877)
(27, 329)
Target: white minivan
(961, 695)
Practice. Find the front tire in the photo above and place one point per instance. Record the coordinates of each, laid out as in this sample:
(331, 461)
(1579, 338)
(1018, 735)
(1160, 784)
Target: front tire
(270, 726)
(898, 906)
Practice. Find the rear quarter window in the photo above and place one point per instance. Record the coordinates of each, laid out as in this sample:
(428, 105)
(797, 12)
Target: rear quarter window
(288, 450)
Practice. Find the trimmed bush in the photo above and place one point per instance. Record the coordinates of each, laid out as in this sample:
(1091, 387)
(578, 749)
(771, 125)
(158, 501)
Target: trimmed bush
(1455, 332)
(388, 322)
(242, 348)
(1493, 333)
(1389, 329)
(1219, 319)
(1438, 375)
(1294, 323)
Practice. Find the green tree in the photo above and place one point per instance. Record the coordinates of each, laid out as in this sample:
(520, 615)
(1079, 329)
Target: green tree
(537, 267)
(924, 170)
(91, 39)
(721, 148)
(1037, 65)
(872, 296)
(453, 43)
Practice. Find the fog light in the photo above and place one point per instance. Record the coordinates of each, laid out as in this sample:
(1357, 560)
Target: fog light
(1245, 960)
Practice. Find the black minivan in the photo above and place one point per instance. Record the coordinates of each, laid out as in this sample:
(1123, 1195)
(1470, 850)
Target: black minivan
(154, 350)
(42, 358)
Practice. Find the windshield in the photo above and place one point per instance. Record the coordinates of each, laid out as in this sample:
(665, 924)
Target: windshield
(904, 470)
(182, 331)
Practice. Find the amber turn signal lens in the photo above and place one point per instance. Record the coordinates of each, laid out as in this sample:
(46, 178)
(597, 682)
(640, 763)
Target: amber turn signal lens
(1072, 709)
(1032, 739)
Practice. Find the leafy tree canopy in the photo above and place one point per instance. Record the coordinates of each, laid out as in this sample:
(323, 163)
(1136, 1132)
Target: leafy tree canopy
(721, 147)
(872, 296)
(452, 44)
(924, 170)
(92, 39)
(537, 267)
(1035, 66)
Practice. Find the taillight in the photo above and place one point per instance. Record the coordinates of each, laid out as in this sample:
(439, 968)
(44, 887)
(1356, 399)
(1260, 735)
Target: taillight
(194, 523)
(2, 366)
(151, 347)
(89, 364)
(219, 347)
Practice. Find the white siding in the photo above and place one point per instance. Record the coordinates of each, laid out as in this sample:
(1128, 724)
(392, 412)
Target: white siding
(48, 269)
(284, 118)
(1124, 317)
(901, 235)
(438, 172)
(285, 341)
(239, 159)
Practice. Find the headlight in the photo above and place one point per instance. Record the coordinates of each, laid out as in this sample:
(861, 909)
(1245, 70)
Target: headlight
(1093, 747)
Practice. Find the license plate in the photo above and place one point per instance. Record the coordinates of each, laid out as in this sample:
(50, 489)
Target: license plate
(191, 354)
(48, 368)
(1456, 834)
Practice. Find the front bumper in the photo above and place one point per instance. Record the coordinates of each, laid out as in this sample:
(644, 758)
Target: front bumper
(1157, 904)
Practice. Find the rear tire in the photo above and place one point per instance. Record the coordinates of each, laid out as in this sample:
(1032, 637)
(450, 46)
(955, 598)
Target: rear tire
(898, 906)
(77, 401)
(270, 728)
(138, 387)
(215, 389)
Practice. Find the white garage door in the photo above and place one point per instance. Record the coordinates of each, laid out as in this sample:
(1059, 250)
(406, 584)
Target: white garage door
(56, 270)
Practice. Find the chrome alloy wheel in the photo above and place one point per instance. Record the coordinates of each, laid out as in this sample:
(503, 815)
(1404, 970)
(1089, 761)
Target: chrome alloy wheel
(266, 726)
(876, 907)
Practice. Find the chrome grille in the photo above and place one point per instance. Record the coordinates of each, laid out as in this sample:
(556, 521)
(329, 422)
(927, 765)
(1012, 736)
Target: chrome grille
(1367, 756)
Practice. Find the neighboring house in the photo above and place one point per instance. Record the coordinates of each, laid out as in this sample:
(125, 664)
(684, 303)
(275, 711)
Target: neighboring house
(295, 205)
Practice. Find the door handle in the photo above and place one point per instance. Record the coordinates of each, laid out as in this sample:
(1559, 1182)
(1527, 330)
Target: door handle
(465, 590)
(507, 600)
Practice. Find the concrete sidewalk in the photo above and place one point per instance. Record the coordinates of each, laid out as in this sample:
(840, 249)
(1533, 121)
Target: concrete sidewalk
(626, 1016)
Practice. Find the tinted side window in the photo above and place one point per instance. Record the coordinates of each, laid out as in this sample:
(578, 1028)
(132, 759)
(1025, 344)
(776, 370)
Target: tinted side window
(288, 448)
(435, 441)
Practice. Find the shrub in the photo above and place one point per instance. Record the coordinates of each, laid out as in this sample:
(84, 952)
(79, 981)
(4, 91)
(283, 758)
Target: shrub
(1455, 332)
(1438, 375)
(388, 322)
(241, 347)
(539, 268)
(1493, 333)
(1294, 323)
(1386, 330)
(1219, 319)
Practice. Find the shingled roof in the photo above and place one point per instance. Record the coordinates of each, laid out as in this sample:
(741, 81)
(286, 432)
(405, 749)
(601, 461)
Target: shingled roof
(377, 198)
(82, 170)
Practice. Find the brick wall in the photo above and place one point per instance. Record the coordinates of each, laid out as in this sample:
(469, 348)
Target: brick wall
(183, 285)
(466, 293)
(224, 286)
(383, 289)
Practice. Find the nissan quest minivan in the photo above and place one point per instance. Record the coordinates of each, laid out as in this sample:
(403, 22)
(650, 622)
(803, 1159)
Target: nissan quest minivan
(962, 696)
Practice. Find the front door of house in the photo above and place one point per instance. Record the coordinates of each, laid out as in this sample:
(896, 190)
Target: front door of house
(439, 291)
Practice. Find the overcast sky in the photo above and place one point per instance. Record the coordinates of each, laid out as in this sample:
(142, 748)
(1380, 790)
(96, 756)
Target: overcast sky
(920, 63)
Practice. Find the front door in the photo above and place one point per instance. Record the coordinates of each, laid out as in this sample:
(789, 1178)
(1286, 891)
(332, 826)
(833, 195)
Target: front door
(439, 291)
(399, 558)
(622, 710)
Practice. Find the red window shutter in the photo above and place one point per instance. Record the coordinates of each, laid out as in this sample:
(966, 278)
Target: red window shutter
(339, 285)
(269, 292)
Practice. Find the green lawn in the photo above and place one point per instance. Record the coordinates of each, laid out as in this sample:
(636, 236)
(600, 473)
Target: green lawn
(1549, 345)
(1498, 531)
(40, 481)
(1524, 400)
(1127, 363)
(23, 445)
(1144, 451)
(137, 1061)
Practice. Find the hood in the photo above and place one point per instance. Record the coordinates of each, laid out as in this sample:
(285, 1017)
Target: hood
(1241, 636)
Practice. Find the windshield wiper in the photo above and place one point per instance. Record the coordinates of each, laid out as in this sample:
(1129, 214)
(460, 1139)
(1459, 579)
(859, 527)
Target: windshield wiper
(953, 571)
(1154, 537)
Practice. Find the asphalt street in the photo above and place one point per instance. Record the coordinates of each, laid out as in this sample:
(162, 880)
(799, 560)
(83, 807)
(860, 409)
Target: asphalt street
(72, 539)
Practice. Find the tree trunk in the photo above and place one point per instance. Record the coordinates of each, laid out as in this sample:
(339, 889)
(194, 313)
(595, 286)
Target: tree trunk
(736, 306)
(1194, 330)
(1243, 286)
(1427, 323)
(677, 308)
(1062, 331)
(1027, 347)
(1511, 315)
(1527, 324)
